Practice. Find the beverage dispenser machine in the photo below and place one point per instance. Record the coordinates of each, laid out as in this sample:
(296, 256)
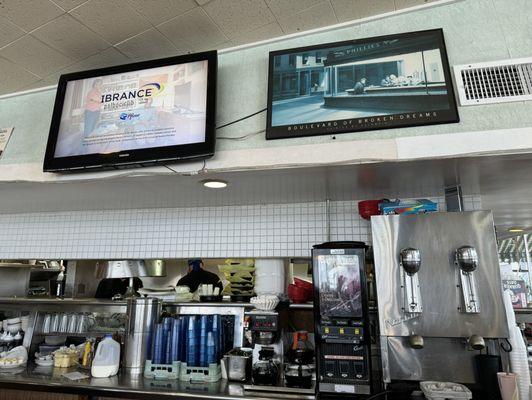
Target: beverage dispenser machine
(439, 294)
(341, 319)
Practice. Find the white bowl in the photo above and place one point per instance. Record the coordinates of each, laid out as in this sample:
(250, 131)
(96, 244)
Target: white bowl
(12, 321)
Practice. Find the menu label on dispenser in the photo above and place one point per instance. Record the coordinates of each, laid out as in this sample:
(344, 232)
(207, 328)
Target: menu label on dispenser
(344, 389)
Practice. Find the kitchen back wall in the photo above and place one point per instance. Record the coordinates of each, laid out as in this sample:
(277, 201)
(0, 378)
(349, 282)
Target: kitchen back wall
(263, 230)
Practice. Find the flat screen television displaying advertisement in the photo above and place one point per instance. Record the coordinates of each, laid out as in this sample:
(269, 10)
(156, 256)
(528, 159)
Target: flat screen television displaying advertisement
(144, 113)
(365, 84)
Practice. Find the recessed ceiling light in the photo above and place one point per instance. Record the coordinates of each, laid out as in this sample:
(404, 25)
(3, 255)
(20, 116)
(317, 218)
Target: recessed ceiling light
(515, 229)
(214, 183)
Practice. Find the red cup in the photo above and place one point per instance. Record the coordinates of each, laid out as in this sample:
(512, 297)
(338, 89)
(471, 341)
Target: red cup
(297, 294)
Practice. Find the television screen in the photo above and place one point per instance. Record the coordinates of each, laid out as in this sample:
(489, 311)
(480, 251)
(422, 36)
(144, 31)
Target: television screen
(148, 112)
(384, 82)
(339, 286)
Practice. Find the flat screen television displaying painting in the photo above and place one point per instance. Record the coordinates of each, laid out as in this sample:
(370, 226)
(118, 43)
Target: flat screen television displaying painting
(143, 113)
(383, 82)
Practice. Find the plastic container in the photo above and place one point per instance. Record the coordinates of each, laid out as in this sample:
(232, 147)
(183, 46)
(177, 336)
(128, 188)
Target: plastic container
(107, 358)
(269, 276)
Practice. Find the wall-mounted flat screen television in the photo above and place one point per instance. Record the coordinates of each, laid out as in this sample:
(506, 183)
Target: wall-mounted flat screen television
(365, 84)
(137, 114)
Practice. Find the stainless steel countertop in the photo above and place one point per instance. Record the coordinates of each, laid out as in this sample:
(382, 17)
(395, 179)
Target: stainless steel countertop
(50, 379)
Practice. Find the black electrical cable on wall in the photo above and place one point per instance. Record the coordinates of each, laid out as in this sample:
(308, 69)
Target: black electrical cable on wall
(241, 119)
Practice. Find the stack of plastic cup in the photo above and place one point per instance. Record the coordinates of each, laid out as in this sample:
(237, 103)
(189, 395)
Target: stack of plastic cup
(175, 340)
(203, 340)
(192, 343)
(216, 336)
(211, 358)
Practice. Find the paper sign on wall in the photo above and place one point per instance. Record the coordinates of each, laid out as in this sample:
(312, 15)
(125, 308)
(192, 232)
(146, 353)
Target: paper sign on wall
(5, 134)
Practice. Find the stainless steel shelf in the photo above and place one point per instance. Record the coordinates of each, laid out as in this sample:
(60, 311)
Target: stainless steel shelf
(57, 305)
(302, 305)
(206, 304)
(86, 334)
(48, 300)
(523, 310)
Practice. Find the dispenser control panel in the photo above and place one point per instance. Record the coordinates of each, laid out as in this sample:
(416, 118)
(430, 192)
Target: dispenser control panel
(261, 322)
(342, 333)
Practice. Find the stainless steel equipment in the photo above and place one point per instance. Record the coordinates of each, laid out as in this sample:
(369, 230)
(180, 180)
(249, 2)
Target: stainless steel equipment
(411, 263)
(143, 313)
(238, 364)
(459, 282)
(467, 260)
(15, 279)
(129, 269)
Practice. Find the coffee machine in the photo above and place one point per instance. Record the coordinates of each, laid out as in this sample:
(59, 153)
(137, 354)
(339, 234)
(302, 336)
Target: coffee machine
(263, 330)
(341, 319)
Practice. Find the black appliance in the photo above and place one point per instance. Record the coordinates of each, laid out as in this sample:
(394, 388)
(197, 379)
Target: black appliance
(341, 319)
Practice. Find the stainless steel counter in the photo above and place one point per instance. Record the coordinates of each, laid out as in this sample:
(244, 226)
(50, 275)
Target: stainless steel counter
(50, 379)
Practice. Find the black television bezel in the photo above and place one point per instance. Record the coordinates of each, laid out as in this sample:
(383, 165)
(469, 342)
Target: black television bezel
(137, 157)
(279, 131)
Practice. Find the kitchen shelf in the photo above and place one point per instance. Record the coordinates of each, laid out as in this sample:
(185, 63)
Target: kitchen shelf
(302, 305)
(206, 304)
(86, 334)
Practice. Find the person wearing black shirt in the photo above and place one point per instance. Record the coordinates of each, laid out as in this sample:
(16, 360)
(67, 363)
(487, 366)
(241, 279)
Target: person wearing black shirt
(110, 287)
(197, 276)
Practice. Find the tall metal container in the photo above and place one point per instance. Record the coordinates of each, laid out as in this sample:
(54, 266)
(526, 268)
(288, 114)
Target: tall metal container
(142, 314)
(439, 294)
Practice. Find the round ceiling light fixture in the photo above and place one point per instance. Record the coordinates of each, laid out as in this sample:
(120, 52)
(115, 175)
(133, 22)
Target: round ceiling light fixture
(214, 183)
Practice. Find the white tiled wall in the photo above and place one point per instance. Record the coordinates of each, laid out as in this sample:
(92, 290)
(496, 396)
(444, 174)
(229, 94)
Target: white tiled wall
(270, 230)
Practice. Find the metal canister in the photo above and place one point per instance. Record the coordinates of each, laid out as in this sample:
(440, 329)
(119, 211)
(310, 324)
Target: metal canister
(238, 364)
(142, 314)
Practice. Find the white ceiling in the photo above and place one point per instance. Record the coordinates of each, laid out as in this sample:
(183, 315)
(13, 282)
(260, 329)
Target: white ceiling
(41, 39)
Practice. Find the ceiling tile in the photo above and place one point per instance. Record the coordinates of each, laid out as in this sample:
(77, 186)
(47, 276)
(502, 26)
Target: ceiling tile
(347, 10)
(114, 20)
(13, 77)
(8, 32)
(409, 3)
(238, 16)
(57, 34)
(158, 11)
(68, 5)
(264, 32)
(35, 56)
(195, 28)
(283, 8)
(148, 45)
(107, 58)
(34, 85)
(29, 15)
(202, 2)
(314, 17)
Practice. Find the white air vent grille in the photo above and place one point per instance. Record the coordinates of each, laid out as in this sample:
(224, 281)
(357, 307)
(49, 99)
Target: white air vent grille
(494, 82)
